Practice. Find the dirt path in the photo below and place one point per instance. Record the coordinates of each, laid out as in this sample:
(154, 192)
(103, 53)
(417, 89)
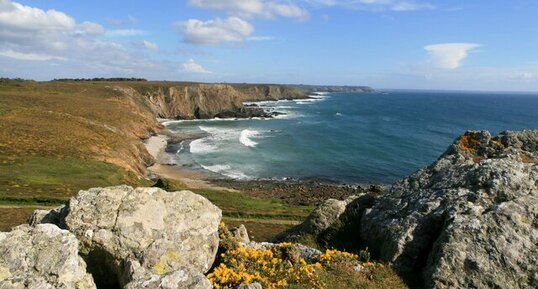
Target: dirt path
(264, 221)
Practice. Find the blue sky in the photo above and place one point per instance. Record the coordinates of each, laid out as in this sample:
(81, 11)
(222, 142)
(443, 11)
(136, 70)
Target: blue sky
(474, 44)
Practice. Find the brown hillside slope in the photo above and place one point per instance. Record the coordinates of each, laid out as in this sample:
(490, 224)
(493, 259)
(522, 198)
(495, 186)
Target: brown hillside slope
(59, 137)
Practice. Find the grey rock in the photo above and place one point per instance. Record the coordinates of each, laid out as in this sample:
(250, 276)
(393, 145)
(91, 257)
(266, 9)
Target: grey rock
(179, 279)
(54, 216)
(136, 235)
(254, 285)
(240, 234)
(323, 217)
(469, 220)
(309, 254)
(43, 257)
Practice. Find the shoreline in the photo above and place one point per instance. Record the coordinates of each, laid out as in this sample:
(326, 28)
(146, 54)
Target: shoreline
(309, 191)
(291, 191)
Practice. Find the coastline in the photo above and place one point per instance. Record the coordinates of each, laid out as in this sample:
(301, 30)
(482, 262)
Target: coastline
(163, 167)
(291, 191)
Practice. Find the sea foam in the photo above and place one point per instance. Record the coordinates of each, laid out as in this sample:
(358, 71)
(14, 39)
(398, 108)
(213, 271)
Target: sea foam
(202, 146)
(246, 134)
(226, 170)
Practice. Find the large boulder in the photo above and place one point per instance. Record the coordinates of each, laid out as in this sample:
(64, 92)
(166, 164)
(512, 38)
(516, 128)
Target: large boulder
(42, 257)
(322, 218)
(469, 220)
(143, 237)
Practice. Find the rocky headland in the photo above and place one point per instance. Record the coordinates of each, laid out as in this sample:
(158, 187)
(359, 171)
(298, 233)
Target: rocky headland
(203, 100)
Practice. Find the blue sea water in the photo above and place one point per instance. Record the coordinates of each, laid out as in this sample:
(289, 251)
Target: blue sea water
(351, 137)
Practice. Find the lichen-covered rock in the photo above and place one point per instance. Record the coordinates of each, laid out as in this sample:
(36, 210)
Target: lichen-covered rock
(318, 221)
(127, 234)
(469, 220)
(179, 279)
(309, 254)
(54, 216)
(43, 257)
(240, 234)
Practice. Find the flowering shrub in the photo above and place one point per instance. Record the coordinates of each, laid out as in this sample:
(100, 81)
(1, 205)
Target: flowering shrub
(332, 257)
(267, 266)
(281, 266)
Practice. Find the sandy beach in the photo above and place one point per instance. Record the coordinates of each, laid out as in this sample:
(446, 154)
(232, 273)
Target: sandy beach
(156, 146)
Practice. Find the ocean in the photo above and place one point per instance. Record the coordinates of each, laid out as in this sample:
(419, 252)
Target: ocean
(351, 138)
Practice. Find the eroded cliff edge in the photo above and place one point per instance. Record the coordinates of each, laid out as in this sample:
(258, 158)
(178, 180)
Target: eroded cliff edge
(203, 100)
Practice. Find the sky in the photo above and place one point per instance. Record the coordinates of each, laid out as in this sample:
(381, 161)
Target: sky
(409, 44)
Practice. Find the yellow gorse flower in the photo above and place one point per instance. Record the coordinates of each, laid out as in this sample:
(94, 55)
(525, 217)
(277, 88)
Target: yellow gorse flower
(244, 265)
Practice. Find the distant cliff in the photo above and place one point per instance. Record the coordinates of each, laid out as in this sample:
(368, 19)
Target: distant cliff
(334, 88)
(202, 100)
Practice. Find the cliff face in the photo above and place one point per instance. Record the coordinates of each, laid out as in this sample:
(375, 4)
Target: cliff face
(201, 101)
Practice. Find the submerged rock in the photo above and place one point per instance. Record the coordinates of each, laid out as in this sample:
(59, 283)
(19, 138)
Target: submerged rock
(42, 257)
(469, 220)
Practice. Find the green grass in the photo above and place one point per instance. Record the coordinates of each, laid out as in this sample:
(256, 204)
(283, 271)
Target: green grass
(32, 178)
(376, 278)
(240, 205)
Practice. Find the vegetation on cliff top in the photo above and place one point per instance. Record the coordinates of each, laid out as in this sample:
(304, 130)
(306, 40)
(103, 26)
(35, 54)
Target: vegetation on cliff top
(59, 137)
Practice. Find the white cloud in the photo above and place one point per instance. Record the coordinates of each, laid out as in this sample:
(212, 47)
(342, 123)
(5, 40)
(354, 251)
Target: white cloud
(65, 48)
(28, 56)
(376, 5)
(449, 55)
(522, 75)
(191, 66)
(91, 28)
(214, 32)
(125, 32)
(253, 8)
(285, 10)
(150, 45)
(129, 21)
(260, 38)
(17, 16)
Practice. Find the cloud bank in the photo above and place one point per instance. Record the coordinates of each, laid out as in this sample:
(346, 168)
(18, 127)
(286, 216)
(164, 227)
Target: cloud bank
(67, 48)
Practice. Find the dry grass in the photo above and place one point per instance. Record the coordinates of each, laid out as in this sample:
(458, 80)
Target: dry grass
(59, 137)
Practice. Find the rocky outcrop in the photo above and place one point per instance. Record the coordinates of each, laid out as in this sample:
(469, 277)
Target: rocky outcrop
(202, 101)
(469, 220)
(323, 217)
(43, 256)
(144, 237)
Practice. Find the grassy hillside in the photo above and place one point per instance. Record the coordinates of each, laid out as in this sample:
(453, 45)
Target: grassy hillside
(59, 137)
